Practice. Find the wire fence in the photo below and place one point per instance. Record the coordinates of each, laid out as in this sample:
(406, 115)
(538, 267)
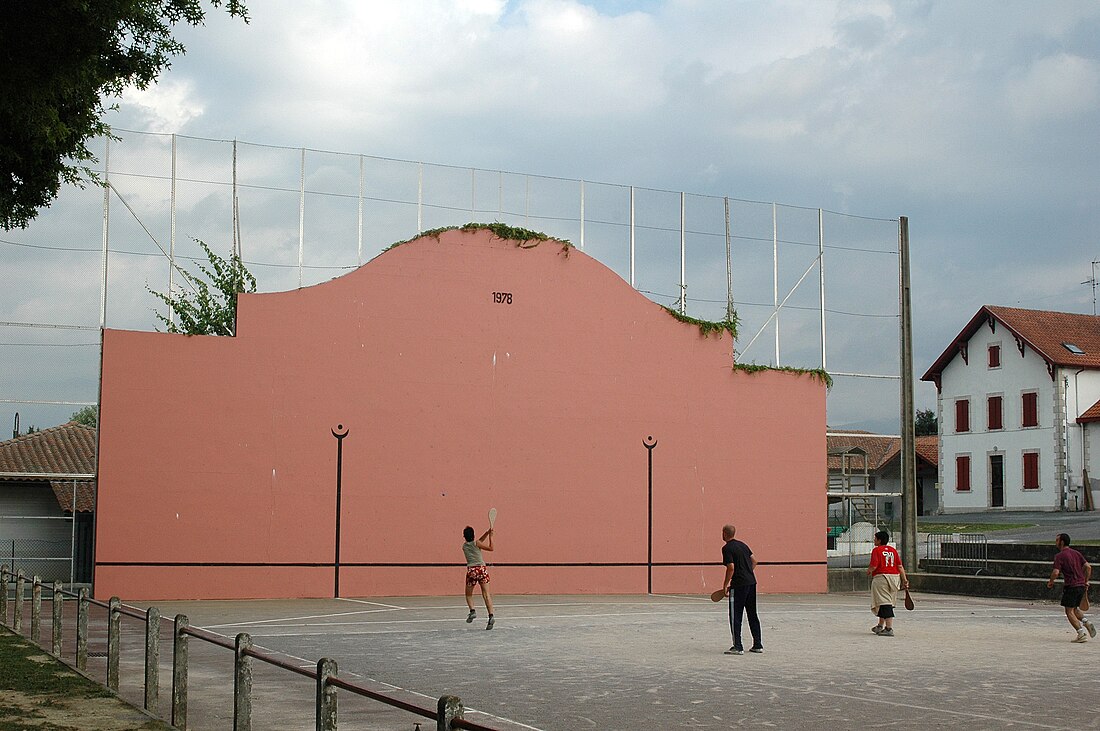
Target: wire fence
(812, 288)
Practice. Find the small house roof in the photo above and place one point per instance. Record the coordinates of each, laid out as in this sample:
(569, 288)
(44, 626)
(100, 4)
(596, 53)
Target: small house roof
(880, 449)
(1090, 414)
(875, 446)
(43, 456)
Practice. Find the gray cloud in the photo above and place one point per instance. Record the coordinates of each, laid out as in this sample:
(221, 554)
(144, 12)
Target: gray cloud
(977, 120)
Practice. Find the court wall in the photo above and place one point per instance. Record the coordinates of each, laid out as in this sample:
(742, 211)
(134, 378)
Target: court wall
(464, 372)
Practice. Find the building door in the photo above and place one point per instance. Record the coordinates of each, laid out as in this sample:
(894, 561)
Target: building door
(996, 480)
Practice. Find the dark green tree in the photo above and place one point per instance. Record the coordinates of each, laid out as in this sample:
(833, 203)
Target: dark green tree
(210, 308)
(61, 61)
(88, 416)
(925, 423)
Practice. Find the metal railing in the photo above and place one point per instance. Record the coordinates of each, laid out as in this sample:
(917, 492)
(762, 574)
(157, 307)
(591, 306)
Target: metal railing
(958, 552)
(448, 713)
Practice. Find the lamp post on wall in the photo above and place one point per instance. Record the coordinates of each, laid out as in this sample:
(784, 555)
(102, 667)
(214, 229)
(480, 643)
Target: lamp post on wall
(339, 473)
(649, 443)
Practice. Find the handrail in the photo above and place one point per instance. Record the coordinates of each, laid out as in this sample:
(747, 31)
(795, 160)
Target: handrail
(448, 713)
(375, 695)
(212, 637)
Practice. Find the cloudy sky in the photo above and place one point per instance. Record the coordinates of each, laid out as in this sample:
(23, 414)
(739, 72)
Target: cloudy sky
(976, 120)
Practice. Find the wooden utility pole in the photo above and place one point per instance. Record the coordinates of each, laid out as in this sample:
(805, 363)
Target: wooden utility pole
(908, 433)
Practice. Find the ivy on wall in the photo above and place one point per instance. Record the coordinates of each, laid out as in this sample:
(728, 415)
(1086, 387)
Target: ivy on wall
(524, 238)
(815, 373)
(706, 327)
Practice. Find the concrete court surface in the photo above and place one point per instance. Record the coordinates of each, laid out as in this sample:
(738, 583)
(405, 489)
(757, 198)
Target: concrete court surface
(653, 662)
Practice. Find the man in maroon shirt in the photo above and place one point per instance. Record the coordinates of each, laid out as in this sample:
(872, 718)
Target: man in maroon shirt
(1076, 571)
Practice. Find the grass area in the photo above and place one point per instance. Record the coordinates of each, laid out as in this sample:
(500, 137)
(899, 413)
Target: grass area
(42, 675)
(40, 692)
(932, 527)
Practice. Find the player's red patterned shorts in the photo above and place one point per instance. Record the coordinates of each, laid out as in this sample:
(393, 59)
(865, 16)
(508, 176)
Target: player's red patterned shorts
(476, 575)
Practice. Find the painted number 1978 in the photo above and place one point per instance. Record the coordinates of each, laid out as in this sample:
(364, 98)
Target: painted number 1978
(502, 298)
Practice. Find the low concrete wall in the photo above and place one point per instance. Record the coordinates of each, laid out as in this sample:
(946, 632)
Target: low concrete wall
(1007, 587)
(848, 580)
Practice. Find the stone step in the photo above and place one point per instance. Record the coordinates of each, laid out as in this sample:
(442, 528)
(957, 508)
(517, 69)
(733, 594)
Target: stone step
(1007, 587)
(1013, 551)
(1023, 569)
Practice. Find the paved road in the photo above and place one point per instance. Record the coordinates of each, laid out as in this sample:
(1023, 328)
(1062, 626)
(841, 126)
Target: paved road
(1043, 526)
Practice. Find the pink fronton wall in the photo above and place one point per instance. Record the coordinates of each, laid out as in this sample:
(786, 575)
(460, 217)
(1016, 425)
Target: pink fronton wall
(218, 462)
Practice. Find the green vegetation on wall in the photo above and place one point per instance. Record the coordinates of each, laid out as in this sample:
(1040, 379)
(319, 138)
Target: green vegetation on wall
(524, 238)
(706, 327)
(817, 373)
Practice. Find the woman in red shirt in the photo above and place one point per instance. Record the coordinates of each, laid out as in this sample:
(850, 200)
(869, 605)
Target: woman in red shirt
(887, 576)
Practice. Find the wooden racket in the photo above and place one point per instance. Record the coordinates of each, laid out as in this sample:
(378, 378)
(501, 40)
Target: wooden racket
(908, 601)
(718, 595)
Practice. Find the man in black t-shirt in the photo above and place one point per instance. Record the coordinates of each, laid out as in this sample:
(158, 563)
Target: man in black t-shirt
(740, 586)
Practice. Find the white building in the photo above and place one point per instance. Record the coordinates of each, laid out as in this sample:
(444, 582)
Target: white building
(1018, 390)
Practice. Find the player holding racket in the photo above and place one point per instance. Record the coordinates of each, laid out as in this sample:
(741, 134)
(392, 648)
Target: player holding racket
(740, 585)
(887, 576)
(476, 571)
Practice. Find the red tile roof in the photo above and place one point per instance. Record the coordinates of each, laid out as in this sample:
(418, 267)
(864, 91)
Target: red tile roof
(880, 449)
(1041, 330)
(1090, 414)
(68, 449)
(927, 448)
(875, 446)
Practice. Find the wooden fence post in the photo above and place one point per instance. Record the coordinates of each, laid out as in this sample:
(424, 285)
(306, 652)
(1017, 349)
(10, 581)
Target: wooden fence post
(152, 659)
(326, 695)
(4, 594)
(448, 709)
(242, 683)
(114, 632)
(58, 607)
(82, 630)
(17, 623)
(179, 672)
(36, 610)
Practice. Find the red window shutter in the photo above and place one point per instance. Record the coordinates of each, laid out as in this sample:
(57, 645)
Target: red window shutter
(1031, 470)
(994, 356)
(1031, 409)
(962, 415)
(995, 411)
(962, 473)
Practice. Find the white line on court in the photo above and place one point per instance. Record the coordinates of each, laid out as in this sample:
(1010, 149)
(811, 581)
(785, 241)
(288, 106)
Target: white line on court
(313, 665)
(326, 627)
(377, 604)
(783, 608)
(296, 619)
(932, 709)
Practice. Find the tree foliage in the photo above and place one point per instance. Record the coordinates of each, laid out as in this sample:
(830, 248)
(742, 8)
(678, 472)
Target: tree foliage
(925, 423)
(211, 307)
(60, 60)
(88, 416)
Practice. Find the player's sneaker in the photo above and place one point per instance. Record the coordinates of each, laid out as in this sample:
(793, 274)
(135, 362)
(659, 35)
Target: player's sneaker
(888, 632)
(491, 620)
(757, 650)
(734, 651)
(1089, 626)
(877, 629)
(470, 616)
(1081, 636)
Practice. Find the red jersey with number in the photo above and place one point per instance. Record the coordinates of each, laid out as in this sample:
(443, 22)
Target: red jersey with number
(885, 560)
